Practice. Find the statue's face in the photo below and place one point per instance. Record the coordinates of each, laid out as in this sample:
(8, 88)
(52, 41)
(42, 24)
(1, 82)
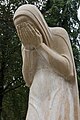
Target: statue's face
(24, 19)
(28, 32)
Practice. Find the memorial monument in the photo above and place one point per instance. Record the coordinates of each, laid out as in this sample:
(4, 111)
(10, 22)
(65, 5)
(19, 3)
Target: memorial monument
(48, 67)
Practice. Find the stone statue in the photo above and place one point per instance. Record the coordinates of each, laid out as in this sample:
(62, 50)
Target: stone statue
(48, 67)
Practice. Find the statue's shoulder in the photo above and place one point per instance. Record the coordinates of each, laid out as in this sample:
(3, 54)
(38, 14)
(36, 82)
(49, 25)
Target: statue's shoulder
(60, 32)
(60, 41)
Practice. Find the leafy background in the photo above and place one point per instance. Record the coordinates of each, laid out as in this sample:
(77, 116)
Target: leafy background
(13, 92)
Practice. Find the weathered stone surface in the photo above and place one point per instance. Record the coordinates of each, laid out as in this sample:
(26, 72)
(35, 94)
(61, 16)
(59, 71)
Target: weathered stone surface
(48, 67)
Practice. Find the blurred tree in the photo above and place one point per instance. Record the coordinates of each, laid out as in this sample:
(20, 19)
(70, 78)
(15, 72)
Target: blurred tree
(13, 93)
(10, 67)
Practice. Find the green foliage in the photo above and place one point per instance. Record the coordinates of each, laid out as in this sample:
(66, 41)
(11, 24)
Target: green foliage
(10, 67)
(13, 93)
(15, 104)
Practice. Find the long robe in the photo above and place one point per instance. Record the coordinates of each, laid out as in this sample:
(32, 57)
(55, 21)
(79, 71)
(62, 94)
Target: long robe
(53, 90)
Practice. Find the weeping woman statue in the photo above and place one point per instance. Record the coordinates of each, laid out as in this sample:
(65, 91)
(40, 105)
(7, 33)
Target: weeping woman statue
(48, 67)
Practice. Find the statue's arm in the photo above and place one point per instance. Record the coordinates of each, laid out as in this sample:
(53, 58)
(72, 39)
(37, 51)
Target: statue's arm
(61, 63)
(29, 65)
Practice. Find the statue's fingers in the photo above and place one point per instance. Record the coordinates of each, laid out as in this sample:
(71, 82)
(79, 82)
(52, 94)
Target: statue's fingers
(32, 35)
(39, 36)
(30, 38)
(18, 31)
(32, 30)
(35, 32)
(17, 28)
(26, 39)
(28, 34)
(23, 36)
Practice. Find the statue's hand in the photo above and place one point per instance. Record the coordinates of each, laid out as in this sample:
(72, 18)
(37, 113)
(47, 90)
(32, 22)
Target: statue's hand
(29, 35)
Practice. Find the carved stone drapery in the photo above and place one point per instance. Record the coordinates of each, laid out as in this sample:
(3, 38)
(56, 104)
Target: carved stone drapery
(48, 67)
